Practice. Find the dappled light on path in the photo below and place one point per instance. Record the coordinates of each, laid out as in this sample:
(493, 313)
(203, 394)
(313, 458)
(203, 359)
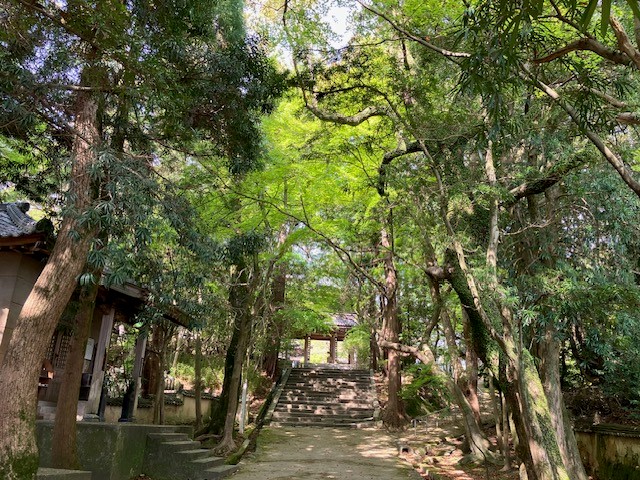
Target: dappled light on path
(324, 453)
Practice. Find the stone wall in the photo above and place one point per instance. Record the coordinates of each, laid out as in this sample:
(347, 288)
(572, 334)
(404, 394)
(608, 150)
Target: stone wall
(109, 451)
(610, 452)
(173, 414)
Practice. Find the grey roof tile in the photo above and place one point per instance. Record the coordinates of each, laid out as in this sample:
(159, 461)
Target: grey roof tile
(14, 221)
(347, 320)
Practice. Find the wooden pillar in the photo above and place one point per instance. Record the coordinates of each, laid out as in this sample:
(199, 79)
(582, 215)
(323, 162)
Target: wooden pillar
(306, 349)
(333, 343)
(99, 362)
(140, 349)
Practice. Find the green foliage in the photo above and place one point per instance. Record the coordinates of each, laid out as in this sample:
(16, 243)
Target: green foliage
(426, 393)
(358, 340)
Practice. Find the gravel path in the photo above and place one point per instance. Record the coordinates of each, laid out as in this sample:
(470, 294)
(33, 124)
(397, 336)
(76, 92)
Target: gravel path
(324, 453)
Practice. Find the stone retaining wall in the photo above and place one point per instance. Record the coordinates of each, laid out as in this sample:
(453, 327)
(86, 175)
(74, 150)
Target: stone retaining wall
(610, 452)
(109, 451)
(174, 414)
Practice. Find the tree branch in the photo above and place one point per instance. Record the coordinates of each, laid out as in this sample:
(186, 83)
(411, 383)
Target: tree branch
(589, 44)
(628, 118)
(624, 44)
(351, 120)
(453, 56)
(625, 173)
(550, 177)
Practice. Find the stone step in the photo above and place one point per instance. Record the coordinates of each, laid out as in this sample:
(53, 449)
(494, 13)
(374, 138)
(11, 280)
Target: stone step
(324, 397)
(322, 409)
(324, 423)
(304, 416)
(60, 474)
(307, 404)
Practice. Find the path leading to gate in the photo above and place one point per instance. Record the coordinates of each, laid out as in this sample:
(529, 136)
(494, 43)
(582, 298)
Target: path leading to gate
(312, 453)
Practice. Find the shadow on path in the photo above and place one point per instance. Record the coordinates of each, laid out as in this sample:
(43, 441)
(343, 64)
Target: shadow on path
(324, 453)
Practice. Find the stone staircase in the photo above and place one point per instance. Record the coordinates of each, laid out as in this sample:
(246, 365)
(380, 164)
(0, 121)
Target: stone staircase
(326, 396)
(172, 456)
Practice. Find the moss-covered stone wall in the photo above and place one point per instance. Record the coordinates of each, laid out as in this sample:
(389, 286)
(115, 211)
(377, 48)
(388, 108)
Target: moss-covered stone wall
(610, 452)
(109, 451)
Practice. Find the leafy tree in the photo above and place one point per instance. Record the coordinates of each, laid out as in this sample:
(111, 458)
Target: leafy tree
(136, 78)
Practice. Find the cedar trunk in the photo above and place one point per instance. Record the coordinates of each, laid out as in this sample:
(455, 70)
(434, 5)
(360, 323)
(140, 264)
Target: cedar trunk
(63, 445)
(394, 411)
(44, 306)
(240, 299)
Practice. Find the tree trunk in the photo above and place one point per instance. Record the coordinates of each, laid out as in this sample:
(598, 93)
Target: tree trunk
(394, 410)
(198, 382)
(240, 299)
(163, 331)
(538, 446)
(63, 445)
(478, 443)
(219, 408)
(278, 288)
(46, 302)
(470, 385)
(549, 355)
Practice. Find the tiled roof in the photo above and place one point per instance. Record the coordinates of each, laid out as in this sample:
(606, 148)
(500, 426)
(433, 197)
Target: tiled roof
(14, 221)
(345, 320)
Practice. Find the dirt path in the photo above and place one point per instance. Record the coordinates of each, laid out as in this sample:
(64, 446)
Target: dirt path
(325, 453)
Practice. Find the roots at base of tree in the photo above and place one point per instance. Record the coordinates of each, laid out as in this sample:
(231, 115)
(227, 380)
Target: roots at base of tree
(225, 447)
(480, 459)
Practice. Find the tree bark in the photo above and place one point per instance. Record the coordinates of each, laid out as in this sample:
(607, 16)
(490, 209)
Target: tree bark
(240, 299)
(63, 445)
(198, 382)
(478, 443)
(394, 410)
(549, 368)
(46, 302)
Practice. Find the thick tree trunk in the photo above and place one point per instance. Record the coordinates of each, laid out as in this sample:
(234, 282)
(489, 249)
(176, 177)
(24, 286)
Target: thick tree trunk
(394, 410)
(549, 368)
(63, 444)
(278, 288)
(479, 445)
(219, 408)
(227, 444)
(240, 299)
(470, 385)
(538, 446)
(42, 309)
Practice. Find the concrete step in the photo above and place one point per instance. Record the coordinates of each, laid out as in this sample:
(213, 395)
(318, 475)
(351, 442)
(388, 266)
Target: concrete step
(175, 457)
(59, 474)
(221, 471)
